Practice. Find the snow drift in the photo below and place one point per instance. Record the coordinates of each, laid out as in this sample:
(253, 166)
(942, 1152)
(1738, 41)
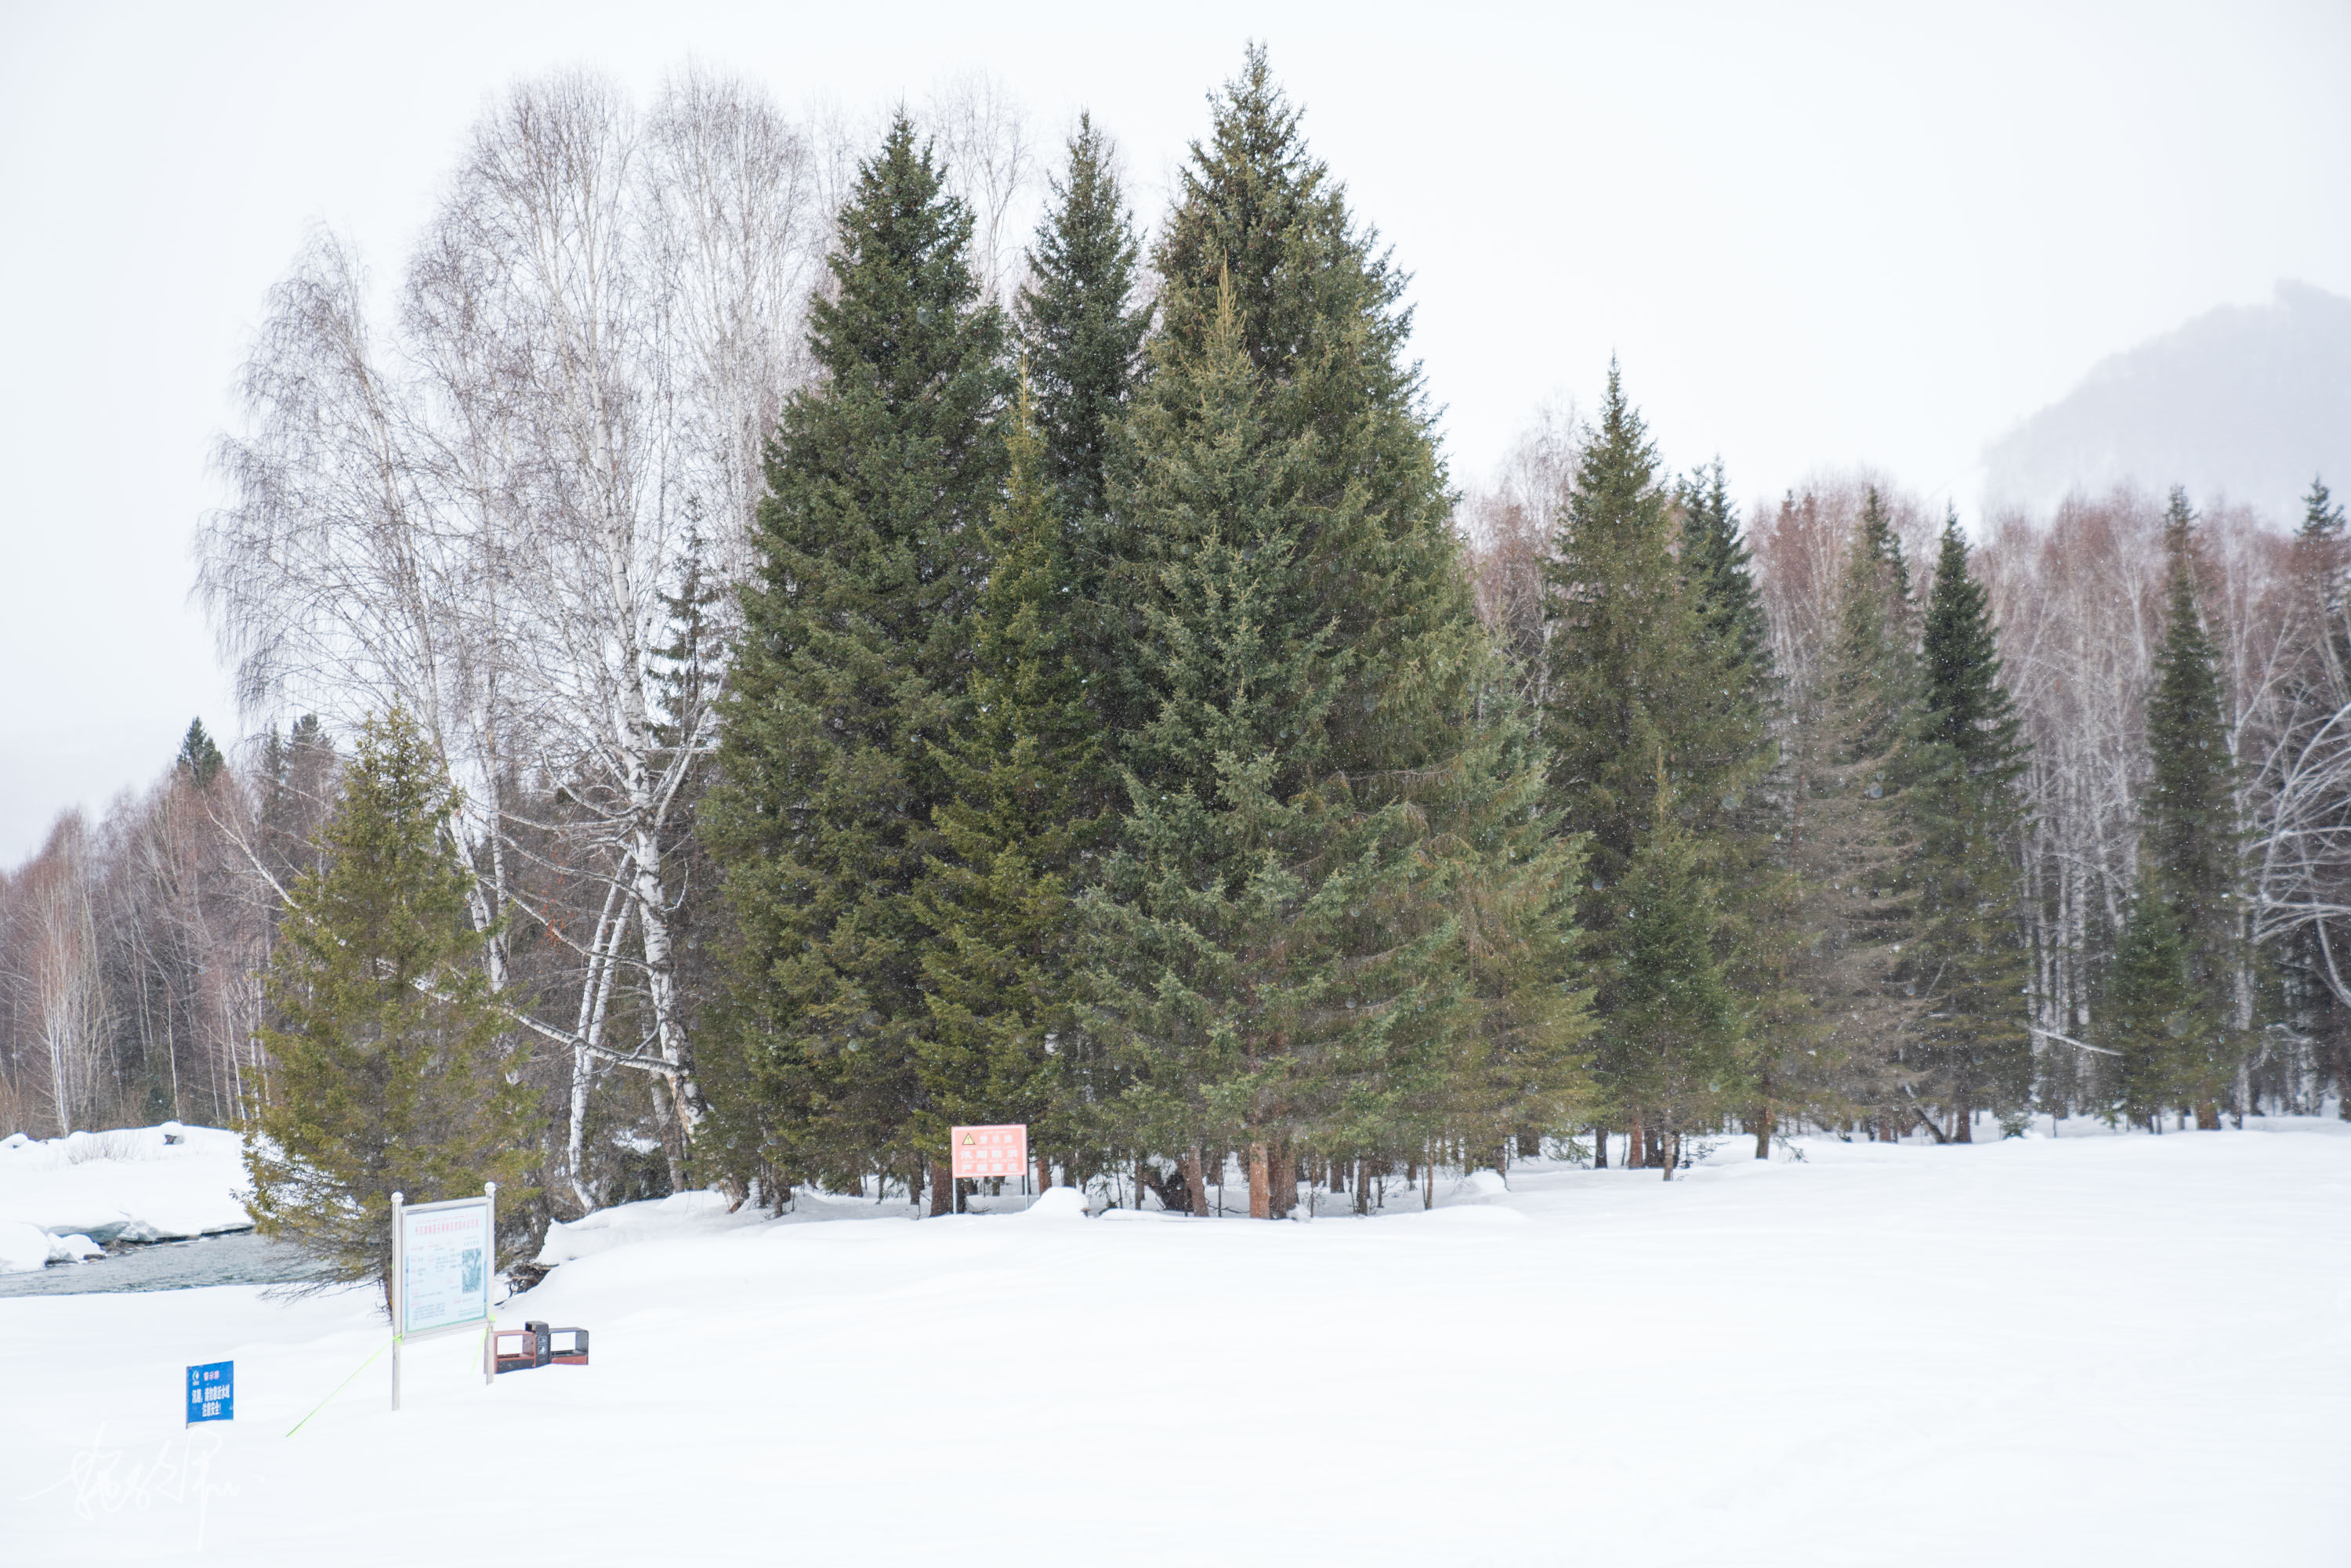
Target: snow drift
(62, 1198)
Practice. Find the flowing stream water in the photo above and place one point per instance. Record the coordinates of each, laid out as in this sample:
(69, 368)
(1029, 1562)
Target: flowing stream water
(238, 1257)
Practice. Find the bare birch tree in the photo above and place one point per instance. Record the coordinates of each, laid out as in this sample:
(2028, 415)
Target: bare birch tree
(495, 520)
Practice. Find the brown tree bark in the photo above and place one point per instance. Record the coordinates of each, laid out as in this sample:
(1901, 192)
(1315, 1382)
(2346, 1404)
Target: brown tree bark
(942, 1188)
(1763, 1134)
(1599, 1148)
(1260, 1181)
(1196, 1186)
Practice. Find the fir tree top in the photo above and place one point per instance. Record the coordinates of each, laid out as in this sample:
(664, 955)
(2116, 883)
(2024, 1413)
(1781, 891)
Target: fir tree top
(2321, 543)
(2188, 809)
(387, 867)
(200, 760)
(1715, 562)
(2322, 516)
(1079, 322)
(1872, 670)
(1966, 708)
(1260, 232)
(1628, 678)
(906, 315)
(1614, 491)
(1257, 206)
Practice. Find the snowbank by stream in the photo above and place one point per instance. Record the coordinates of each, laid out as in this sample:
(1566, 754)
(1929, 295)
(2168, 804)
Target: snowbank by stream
(61, 1198)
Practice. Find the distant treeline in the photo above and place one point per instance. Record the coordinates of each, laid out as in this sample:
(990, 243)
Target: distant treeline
(889, 684)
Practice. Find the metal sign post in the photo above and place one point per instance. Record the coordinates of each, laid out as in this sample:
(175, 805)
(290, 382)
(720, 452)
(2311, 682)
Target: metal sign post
(443, 1263)
(397, 1199)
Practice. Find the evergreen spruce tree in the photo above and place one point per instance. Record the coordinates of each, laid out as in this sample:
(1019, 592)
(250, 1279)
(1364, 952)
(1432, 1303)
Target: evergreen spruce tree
(1319, 313)
(297, 774)
(1850, 836)
(1219, 998)
(199, 760)
(1671, 1025)
(1968, 961)
(851, 667)
(1627, 642)
(2150, 1012)
(1082, 328)
(2320, 684)
(394, 1067)
(1326, 730)
(1649, 671)
(2188, 836)
(1714, 564)
(996, 897)
(1781, 1068)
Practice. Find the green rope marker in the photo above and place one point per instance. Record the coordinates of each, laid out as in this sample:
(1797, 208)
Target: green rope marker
(346, 1383)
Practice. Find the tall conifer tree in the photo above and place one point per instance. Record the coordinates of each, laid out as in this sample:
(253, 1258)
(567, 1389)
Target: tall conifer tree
(1336, 792)
(1850, 836)
(1781, 1068)
(1080, 325)
(2188, 830)
(854, 655)
(394, 1067)
(200, 759)
(2312, 956)
(1626, 638)
(2150, 1013)
(1221, 998)
(1714, 563)
(1968, 963)
(1671, 1026)
(996, 897)
(1319, 313)
(1651, 696)
(1081, 331)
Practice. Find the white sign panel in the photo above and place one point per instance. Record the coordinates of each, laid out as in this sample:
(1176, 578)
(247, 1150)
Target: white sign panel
(444, 1265)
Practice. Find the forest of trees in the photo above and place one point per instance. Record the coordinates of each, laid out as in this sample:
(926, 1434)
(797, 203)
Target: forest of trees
(880, 676)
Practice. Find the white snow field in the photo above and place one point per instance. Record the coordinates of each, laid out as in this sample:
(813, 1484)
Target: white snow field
(2087, 1350)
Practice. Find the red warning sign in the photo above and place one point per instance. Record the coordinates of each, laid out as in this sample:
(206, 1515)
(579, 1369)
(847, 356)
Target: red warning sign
(1001, 1151)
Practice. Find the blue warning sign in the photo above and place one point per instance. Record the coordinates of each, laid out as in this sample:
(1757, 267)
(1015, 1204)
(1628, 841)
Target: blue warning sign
(211, 1392)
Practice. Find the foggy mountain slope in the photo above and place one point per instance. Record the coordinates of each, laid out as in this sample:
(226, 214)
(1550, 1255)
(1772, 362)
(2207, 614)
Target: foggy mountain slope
(2246, 402)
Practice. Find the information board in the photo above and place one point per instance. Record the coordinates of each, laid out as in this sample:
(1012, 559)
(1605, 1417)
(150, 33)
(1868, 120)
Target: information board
(998, 1150)
(211, 1392)
(444, 1266)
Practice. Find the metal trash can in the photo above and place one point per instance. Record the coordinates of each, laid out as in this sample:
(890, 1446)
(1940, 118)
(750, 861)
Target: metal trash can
(520, 1350)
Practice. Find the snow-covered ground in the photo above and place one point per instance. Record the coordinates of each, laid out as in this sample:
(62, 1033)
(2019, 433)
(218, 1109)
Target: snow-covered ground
(2093, 1350)
(61, 1198)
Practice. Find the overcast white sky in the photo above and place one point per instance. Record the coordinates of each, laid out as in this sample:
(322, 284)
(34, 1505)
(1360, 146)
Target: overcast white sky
(1815, 234)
